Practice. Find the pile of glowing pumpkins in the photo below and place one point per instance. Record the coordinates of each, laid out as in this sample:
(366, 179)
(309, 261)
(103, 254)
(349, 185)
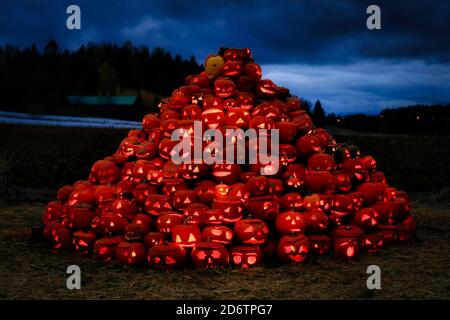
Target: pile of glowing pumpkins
(138, 207)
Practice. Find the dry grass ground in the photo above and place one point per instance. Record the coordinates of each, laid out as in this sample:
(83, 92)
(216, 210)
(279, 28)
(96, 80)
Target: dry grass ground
(419, 271)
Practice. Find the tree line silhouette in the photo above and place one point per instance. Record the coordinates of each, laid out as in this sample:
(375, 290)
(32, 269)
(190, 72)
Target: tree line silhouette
(38, 82)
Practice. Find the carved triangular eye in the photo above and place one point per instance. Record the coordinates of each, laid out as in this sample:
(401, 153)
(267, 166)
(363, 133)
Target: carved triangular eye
(288, 218)
(177, 239)
(192, 238)
(248, 229)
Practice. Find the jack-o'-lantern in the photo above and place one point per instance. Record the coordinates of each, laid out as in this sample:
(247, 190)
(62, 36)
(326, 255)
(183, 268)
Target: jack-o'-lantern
(253, 71)
(367, 219)
(354, 169)
(144, 219)
(213, 118)
(233, 54)
(186, 235)
(226, 173)
(287, 131)
(320, 244)
(224, 88)
(316, 221)
(140, 170)
(308, 145)
(213, 217)
(232, 208)
(290, 222)
(205, 190)
(104, 193)
(130, 253)
(124, 208)
(83, 241)
(136, 232)
(293, 103)
(202, 80)
(109, 224)
(269, 110)
(232, 68)
(264, 207)
(348, 232)
(105, 248)
(321, 162)
(372, 242)
(251, 231)
(276, 187)
(58, 236)
(239, 190)
(212, 102)
(150, 122)
(127, 171)
(170, 186)
(165, 148)
(214, 65)
(53, 211)
(128, 147)
(287, 153)
(372, 192)
(184, 198)
(293, 249)
(260, 122)
(343, 206)
(157, 203)
(246, 256)
(64, 193)
(210, 255)
(155, 136)
(368, 163)
(291, 201)
(104, 172)
(320, 182)
(326, 202)
(153, 238)
(343, 182)
(294, 175)
(191, 112)
(390, 194)
(167, 127)
(146, 150)
(166, 256)
(218, 234)
(311, 201)
(81, 197)
(79, 217)
(167, 220)
(258, 185)
(346, 248)
(357, 199)
(245, 101)
(400, 195)
(142, 191)
(194, 170)
(195, 213)
(238, 117)
(266, 89)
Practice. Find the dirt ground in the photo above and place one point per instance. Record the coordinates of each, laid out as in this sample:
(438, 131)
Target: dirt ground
(418, 271)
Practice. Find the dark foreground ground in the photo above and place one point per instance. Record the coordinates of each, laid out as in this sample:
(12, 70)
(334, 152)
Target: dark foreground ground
(35, 160)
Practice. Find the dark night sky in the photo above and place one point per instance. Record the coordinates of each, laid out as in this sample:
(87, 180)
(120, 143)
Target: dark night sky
(319, 49)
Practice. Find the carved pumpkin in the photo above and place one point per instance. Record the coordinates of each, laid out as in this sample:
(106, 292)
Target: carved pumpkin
(130, 253)
(321, 162)
(293, 249)
(153, 238)
(224, 88)
(195, 213)
(186, 235)
(184, 198)
(316, 221)
(290, 222)
(258, 185)
(308, 145)
(367, 219)
(320, 182)
(124, 208)
(136, 232)
(232, 208)
(105, 248)
(79, 218)
(109, 224)
(348, 232)
(291, 201)
(346, 248)
(246, 256)
(213, 65)
(167, 220)
(210, 255)
(166, 256)
(104, 172)
(53, 211)
(218, 234)
(372, 242)
(263, 207)
(320, 244)
(83, 241)
(157, 203)
(213, 217)
(266, 88)
(251, 231)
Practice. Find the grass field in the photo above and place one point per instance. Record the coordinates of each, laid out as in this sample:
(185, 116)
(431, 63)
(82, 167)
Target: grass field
(35, 161)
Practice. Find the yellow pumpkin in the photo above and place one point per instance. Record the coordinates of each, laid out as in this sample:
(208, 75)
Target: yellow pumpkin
(213, 65)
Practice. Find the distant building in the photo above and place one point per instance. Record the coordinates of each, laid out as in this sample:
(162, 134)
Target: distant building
(102, 100)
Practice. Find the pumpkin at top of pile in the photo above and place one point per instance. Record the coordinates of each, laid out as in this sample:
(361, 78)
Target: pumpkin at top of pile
(137, 205)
